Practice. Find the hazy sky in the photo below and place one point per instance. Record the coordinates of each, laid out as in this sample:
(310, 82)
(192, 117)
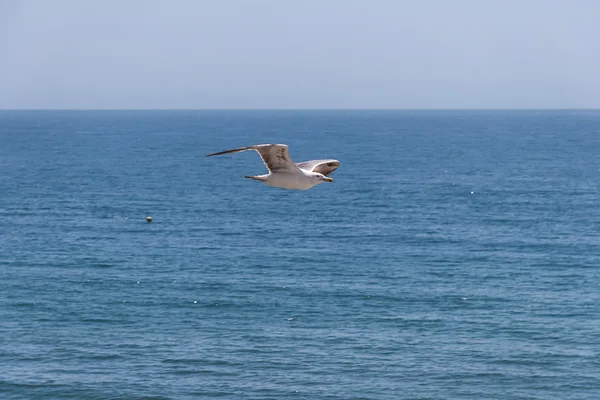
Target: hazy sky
(299, 54)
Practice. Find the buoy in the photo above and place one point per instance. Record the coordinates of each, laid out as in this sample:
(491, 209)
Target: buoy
(148, 219)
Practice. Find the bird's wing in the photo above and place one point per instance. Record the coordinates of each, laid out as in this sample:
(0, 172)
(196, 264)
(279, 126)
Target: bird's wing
(325, 167)
(275, 156)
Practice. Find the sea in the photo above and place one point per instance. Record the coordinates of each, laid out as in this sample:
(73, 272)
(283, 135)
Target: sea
(456, 255)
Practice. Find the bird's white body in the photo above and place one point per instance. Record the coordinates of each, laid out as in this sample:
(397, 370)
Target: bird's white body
(293, 180)
(283, 172)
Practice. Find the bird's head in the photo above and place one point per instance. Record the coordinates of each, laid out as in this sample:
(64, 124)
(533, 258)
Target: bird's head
(322, 178)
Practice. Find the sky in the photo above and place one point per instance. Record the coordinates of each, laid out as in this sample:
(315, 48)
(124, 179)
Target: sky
(299, 54)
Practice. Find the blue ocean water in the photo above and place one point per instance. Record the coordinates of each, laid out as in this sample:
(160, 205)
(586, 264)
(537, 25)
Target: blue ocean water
(456, 256)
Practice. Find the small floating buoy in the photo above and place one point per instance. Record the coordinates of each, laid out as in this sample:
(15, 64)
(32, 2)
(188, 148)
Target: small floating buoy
(148, 219)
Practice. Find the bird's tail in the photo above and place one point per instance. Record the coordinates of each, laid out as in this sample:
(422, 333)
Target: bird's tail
(257, 177)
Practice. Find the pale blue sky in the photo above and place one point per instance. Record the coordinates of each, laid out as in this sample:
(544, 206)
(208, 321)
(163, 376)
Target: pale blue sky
(300, 54)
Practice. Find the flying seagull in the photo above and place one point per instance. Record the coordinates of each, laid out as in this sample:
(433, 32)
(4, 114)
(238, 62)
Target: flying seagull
(283, 172)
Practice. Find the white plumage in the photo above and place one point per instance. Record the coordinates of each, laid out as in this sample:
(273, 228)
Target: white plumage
(283, 172)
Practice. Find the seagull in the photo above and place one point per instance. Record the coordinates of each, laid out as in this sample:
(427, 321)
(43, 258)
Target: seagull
(283, 172)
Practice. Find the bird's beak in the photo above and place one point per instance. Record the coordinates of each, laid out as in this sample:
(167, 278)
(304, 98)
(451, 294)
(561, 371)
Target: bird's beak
(327, 179)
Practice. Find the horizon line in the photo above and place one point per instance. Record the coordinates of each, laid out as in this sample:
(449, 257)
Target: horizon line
(305, 109)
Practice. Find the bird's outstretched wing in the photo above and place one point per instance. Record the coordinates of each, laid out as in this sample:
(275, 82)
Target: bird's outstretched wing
(275, 156)
(325, 167)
